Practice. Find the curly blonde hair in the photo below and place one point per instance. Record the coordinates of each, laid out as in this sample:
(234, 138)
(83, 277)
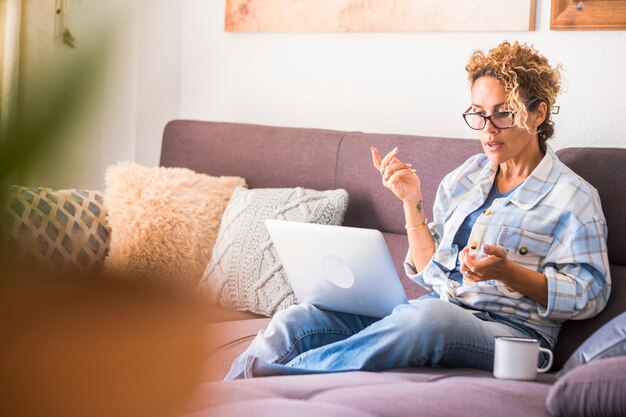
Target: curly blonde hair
(528, 80)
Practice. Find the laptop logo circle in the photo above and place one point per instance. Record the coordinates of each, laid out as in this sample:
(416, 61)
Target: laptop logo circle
(337, 271)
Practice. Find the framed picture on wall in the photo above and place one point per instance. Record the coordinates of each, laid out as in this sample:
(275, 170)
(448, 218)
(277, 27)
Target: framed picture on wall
(588, 15)
(379, 15)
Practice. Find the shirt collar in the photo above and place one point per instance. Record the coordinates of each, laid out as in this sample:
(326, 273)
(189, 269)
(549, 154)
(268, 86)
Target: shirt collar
(540, 181)
(534, 188)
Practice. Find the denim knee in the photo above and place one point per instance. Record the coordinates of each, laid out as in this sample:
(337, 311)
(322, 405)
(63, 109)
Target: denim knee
(296, 313)
(287, 320)
(427, 317)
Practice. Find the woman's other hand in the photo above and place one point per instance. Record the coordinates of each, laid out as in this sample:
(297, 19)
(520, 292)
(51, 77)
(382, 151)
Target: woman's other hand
(493, 266)
(397, 176)
(496, 265)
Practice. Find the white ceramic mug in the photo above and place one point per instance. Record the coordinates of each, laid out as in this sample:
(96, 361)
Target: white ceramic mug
(516, 358)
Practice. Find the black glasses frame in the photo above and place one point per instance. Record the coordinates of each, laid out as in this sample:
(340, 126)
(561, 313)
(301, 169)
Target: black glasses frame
(498, 113)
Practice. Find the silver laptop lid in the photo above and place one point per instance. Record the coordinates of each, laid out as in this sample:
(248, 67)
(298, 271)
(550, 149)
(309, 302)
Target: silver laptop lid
(338, 268)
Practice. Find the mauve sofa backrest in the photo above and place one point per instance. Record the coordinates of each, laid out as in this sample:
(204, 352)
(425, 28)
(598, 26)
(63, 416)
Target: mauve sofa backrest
(267, 157)
(324, 159)
(604, 169)
(313, 158)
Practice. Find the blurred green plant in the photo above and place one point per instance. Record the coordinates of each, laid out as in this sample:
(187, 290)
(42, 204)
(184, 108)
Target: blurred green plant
(49, 111)
(35, 132)
(84, 343)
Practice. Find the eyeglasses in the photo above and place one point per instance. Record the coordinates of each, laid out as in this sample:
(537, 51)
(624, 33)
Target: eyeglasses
(500, 119)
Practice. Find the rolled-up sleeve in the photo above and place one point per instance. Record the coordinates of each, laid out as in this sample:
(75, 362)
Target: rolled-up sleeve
(578, 274)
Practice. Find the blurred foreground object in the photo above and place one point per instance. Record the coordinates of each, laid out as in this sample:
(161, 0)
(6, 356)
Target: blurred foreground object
(95, 346)
(75, 342)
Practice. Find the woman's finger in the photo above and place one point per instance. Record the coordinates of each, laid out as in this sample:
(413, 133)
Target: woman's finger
(468, 261)
(396, 165)
(463, 268)
(462, 257)
(399, 174)
(494, 250)
(376, 159)
(462, 261)
(387, 159)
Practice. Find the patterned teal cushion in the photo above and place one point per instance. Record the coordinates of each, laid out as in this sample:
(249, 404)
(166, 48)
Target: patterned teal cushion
(56, 228)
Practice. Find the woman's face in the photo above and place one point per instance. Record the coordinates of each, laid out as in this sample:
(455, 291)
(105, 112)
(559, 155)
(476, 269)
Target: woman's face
(514, 144)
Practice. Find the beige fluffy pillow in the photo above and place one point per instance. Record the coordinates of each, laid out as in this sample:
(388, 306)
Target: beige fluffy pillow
(164, 221)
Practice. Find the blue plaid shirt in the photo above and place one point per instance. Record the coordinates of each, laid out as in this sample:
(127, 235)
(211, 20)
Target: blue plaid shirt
(553, 223)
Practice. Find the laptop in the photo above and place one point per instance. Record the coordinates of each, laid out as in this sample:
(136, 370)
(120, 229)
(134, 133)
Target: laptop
(338, 268)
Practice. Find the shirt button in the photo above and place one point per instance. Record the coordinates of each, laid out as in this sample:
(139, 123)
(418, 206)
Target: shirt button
(523, 250)
(487, 212)
(473, 245)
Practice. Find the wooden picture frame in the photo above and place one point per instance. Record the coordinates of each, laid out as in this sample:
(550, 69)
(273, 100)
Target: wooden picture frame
(588, 15)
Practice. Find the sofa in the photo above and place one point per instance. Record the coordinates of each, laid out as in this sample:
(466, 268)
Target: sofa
(270, 157)
(278, 157)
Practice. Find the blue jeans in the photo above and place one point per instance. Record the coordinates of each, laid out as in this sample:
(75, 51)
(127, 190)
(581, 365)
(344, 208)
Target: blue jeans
(304, 339)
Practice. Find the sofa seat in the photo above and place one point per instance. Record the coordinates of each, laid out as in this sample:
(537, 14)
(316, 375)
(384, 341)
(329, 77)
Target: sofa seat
(432, 391)
(427, 391)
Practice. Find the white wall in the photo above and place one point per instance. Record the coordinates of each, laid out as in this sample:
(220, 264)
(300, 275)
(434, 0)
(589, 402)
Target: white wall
(167, 59)
(142, 87)
(158, 75)
(137, 44)
(143, 82)
(411, 83)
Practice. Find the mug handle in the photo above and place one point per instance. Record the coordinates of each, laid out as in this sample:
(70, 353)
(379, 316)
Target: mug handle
(549, 365)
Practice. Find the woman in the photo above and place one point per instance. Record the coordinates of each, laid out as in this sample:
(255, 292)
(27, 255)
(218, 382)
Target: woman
(517, 245)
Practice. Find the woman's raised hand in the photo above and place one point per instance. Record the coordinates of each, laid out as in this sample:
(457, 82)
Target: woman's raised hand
(397, 176)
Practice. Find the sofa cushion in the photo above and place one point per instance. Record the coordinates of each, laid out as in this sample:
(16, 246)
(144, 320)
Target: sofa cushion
(595, 389)
(409, 392)
(55, 228)
(606, 342)
(164, 221)
(245, 272)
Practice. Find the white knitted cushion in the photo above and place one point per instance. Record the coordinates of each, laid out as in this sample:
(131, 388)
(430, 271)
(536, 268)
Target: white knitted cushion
(245, 273)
